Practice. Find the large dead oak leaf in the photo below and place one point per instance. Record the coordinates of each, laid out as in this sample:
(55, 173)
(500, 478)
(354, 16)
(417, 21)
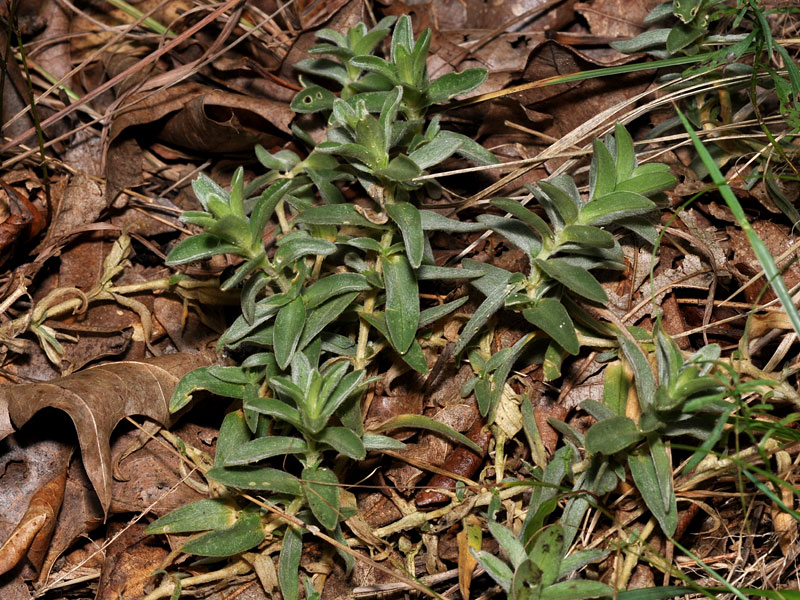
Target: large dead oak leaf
(98, 398)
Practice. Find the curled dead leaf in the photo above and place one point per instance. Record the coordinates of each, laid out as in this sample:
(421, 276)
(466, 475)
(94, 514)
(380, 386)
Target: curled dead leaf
(98, 398)
(32, 534)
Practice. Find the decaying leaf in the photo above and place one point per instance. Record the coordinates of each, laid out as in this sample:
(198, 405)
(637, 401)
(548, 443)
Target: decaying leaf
(32, 534)
(97, 398)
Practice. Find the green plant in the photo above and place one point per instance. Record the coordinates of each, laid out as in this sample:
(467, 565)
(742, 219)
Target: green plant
(562, 254)
(538, 563)
(340, 286)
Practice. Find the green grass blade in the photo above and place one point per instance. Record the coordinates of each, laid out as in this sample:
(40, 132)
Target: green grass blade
(759, 248)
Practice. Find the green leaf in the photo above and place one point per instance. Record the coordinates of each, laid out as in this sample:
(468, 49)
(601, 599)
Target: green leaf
(643, 375)
(423, 422)
(312, 99)
(343, 440)
(508, 542)
(530, 218)
(374, 441)
(576, 590)
(432, 272)
(334, 285)
(289, 563)
(407, 218)
(626, 155)
(274, 408)
(495, 286)
(201, 379)
(323, 315)
(202, 515)
(550, 316)
(324, 67)
(455, 84)
(335, 214)
(265, 206)
(615, 206)
(232, 433)
(576, 279)
(647, 482)
(246, 533)
(547, 551)
(496, 568)
(563, 202)
(648, 184)
(402, 301)
(388, 116)
(430, 315)
(527, 582)
(586, 235)
(515, 232)
(602, 173)
(265, 447)
(655, 38)
(288, 329)
(375, 64)
(612, 435)
(433, 221)
(200, 247)
(303, 246)
(683, 35)
(401, 168)
(615, 388)
(321, 488)
(435, 151)
(257, 478)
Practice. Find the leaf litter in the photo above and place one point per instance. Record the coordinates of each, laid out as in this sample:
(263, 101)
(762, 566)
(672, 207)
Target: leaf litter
(164, 131)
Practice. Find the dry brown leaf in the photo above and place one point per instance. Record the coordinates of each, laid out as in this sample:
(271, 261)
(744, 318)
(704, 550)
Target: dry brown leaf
(98, 398)
(32, 534)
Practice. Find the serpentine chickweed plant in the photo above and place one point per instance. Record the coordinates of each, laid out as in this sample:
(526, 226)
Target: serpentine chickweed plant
(341, 284)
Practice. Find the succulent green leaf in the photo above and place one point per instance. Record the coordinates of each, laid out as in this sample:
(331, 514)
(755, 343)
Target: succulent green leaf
(375, 64)
(515, 232)
(433, 221)
(435, 151)
(334, 285)
(265, 206)
(374, 441)
(402, 301)
(321, 488)
(576, 279)
(323, 315)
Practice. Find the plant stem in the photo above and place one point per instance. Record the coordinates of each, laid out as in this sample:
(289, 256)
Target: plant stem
(369, 304)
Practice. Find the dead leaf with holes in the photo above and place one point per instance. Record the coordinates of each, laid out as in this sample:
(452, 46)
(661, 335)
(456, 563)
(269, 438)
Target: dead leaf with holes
(98, 398)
